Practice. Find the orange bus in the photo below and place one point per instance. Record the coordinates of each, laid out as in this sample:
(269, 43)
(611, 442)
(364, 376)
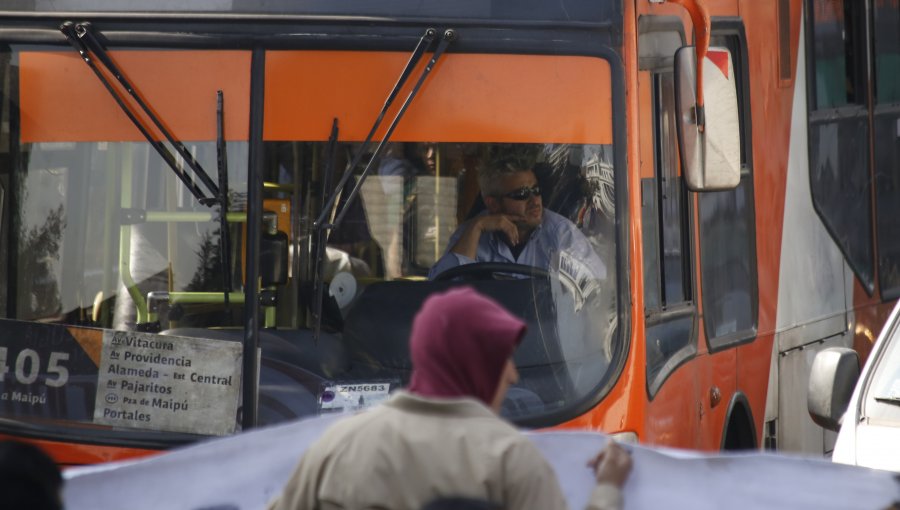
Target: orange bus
(224, 216)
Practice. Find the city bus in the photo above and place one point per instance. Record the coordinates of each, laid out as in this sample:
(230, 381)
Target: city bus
(222, 214)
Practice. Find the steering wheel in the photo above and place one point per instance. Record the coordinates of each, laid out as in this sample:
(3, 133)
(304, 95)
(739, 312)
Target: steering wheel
(487, 270)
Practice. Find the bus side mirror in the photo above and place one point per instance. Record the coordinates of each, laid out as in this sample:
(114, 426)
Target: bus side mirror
(709, 136)
(831, 381)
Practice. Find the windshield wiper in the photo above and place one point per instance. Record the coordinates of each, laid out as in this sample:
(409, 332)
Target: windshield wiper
(448, 37)
(424, 43)
(320, 235)
(329, 209)
(82, 38)
(222, 199)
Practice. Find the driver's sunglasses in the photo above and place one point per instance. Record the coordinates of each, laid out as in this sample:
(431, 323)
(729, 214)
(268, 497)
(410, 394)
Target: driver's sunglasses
(523, 193)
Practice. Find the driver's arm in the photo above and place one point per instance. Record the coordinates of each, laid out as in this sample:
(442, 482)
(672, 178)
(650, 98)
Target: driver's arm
(450, 259)
(463, 245)
(470, 234)
(467, 244)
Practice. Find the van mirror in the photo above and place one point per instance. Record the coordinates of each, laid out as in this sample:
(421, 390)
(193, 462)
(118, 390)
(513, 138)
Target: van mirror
(831, 381)
(709, 135)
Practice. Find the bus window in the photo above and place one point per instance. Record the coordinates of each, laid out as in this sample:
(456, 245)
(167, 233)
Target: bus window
(886, 129)
(673, 200)
(838, 127)
(102, 223)
(424, 186)
(839, 64)
(887, 52)
(73, 264)
(4, 249)
(728, 236)
(6, 74)
(667, 253)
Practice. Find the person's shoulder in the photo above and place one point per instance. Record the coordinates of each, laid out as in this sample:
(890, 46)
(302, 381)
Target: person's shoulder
(554, 218)
(342, 434)
(499, 433)
(519, 450)
(395, 167)
(352, 423)
(557, 222)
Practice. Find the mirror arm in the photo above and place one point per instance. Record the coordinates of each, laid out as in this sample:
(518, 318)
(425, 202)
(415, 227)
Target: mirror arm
(700, 19)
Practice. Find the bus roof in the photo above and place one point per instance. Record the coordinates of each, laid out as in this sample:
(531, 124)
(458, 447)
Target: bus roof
(592, 11)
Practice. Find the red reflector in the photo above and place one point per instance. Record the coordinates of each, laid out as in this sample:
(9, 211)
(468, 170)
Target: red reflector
(720, 59)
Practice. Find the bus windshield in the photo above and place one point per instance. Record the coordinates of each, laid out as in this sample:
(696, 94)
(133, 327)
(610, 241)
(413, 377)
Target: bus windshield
(111, 257)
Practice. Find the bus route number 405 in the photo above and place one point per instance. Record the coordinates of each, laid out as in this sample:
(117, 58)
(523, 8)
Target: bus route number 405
(28, 367)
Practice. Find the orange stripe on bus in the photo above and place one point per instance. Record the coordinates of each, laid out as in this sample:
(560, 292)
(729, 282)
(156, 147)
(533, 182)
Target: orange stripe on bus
(467, 98)
(91, 340)
(63, 101)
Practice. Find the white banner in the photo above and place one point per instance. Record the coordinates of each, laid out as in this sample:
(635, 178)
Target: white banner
(245, 471)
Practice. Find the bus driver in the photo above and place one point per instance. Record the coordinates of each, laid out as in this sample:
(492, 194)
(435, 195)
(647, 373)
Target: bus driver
(515, 228)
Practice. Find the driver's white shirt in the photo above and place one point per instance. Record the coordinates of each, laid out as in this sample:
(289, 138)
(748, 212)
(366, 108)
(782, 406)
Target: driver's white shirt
(554, 234)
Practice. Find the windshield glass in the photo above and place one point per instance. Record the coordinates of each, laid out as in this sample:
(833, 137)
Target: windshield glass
(100, 236)
(383, 261)
(475, 142)
(113, 305)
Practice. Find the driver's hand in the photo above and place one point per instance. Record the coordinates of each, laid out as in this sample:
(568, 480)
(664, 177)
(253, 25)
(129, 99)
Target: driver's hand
(467, 245)
(505, 223)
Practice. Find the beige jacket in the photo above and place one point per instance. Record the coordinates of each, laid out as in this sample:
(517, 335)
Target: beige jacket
(411, 450)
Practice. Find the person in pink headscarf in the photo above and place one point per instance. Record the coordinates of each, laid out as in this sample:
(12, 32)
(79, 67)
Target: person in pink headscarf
(461, 345)
(443, 436)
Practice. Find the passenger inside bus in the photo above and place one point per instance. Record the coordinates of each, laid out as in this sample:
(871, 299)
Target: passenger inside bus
(402, 171)
(409, 160)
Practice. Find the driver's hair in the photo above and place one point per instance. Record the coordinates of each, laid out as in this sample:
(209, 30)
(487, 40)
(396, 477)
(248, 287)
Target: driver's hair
(502, 160)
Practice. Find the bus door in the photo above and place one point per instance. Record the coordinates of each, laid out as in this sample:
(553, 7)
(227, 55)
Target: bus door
(670, 311)
(726, 231)
(698, 260)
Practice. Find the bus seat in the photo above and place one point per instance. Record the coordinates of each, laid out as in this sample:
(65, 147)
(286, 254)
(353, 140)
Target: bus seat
(377, 328)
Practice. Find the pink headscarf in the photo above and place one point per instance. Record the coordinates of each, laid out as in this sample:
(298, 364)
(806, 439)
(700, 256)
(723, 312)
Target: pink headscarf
(460, 342)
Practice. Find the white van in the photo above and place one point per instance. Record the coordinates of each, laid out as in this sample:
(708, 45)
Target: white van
(868, 416)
